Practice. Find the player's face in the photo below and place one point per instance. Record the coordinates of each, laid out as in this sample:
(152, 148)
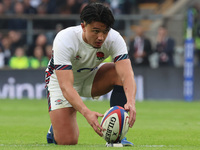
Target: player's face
(94, 33)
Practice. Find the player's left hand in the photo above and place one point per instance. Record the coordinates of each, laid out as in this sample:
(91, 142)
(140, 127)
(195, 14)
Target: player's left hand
(132, 113)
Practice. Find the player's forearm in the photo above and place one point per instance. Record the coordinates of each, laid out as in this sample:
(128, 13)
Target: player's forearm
(130, 88)
(126, 75)
(75, 100)
(68, 90)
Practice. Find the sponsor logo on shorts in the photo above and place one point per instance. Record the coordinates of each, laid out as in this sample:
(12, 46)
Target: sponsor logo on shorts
(58, 101)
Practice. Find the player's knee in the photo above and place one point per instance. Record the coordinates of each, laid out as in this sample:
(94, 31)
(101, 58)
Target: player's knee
(67, 138)
(67, 141)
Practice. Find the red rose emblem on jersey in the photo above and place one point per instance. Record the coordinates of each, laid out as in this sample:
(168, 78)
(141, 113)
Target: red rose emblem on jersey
(77, 57)
(100, 55)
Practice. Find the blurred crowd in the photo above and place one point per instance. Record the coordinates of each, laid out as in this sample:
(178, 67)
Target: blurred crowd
(67, 7)
(17, 53)
(144, 52)
(63, 6)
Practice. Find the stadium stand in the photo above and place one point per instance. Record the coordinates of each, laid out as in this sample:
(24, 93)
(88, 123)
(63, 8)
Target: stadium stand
(48, 17)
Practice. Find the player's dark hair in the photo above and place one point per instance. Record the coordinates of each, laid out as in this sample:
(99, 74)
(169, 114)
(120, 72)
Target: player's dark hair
(97, 12)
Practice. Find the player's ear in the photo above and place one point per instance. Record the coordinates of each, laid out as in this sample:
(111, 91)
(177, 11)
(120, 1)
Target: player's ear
(83, 26)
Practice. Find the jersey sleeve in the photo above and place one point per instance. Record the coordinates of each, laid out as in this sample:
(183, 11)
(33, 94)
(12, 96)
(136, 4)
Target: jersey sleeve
(119, 49)
(62, 51)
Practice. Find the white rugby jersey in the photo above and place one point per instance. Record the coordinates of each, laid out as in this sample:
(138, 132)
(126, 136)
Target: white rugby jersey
(71, 52)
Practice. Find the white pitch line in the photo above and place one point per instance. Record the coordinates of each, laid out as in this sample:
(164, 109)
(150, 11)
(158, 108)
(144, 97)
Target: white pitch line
(21, 145)
(159, 146)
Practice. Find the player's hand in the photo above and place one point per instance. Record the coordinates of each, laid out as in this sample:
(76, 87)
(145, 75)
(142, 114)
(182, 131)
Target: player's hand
(132, 113)
(92, 118)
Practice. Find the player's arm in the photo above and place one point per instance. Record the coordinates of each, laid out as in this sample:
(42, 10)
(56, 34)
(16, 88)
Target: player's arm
(125, 72)
(66, 79)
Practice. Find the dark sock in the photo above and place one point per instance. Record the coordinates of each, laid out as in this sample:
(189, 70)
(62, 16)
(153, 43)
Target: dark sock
(118, 97)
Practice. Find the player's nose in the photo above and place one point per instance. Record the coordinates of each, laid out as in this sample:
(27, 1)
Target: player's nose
(100, 37)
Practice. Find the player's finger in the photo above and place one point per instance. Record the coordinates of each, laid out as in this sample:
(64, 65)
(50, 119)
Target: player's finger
(132, 118)
(96, 129)
(126, 107)
(100, 127)
(131, 123)
(99, 114)
(97, 124)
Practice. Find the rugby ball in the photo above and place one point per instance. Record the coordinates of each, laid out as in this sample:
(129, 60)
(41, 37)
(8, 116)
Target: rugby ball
(115, 124)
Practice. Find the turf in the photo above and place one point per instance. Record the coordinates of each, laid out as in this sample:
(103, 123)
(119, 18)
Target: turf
(159, 125)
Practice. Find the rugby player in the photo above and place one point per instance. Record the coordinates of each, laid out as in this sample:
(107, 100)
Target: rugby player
(76, 70)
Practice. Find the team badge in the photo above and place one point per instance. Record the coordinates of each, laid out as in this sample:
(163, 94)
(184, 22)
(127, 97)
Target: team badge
(77, 57)
(100, 55)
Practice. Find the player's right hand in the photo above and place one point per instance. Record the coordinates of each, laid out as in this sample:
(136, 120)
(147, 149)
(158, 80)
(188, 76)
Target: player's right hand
(132, 111)
(92, 118)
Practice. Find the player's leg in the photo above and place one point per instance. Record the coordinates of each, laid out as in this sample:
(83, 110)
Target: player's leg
(63, 118)
(107, 79)
(65, 127)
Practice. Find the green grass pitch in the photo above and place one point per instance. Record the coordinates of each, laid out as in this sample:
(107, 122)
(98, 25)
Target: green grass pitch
(159, 125)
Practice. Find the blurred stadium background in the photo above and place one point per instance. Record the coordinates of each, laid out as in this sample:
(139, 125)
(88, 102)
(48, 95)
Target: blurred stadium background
(28, 27)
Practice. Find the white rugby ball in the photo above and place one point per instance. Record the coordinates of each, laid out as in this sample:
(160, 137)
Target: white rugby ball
(115, 123)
